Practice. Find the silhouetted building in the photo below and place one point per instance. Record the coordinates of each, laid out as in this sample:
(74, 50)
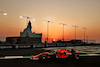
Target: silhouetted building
(23, 40)
(26, 37)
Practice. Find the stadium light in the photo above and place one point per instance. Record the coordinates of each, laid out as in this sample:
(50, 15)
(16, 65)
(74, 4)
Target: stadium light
(47, 27)
(28, 18)
(4, 13)
(21, 16)
(84, 32)
(63, 29)
(33, 19)
(75, 30)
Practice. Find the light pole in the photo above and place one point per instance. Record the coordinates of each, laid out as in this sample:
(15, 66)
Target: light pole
(47, 27)
(75, 30)
(84, 32)
(3, 12)
(28, 18)
(63, 29)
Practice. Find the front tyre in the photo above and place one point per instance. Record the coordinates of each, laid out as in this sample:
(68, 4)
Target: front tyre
(43, 57)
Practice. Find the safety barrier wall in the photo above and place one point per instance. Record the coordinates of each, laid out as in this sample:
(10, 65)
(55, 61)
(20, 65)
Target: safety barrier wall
(33, 46)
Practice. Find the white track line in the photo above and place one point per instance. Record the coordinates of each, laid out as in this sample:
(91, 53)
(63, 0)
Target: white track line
(13, 57)
(16, 57)
(94, 54)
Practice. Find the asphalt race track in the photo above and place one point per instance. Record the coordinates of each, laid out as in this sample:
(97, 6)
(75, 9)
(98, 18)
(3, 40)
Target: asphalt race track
(90, 61)
(83, 62)
(20, 52)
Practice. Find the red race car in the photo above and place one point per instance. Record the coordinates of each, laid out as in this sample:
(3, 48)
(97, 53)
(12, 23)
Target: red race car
(64, 53)
(60, 53)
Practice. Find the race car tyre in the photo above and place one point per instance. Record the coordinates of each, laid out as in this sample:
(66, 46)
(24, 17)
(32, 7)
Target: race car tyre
(73, 53)
(77, 57)
(43, 57)
(31, 57)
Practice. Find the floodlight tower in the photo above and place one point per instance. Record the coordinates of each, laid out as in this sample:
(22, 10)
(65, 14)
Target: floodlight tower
(84, 32)
(47, 27)
(63, 29)
(75, 30)
(3, 12)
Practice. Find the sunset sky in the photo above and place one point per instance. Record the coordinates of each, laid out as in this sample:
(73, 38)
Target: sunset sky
(82, 13)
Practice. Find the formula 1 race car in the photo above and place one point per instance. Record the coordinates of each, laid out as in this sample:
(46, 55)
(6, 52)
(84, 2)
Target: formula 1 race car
(60, 53)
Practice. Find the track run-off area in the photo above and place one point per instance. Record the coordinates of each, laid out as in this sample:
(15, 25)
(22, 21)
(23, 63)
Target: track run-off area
(90, 57)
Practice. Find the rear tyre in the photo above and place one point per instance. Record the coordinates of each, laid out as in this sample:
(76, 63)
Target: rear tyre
(73, 53)
(77, 57)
